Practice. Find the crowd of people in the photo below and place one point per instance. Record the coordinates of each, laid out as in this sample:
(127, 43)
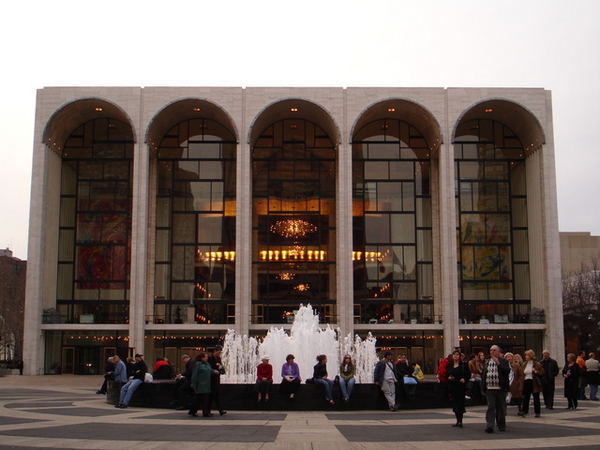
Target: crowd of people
(498, 380)
(506, 379)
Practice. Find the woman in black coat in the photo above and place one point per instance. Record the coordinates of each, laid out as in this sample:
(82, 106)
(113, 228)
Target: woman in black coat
(457, 375)
(571, 373)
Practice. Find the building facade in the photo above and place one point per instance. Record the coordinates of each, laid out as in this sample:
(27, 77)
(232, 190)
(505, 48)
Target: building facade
(578, 250)
(12, 305)
(162, 217)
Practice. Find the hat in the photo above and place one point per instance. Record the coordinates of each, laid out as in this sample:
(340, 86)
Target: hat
(139, 355)
(265, 358)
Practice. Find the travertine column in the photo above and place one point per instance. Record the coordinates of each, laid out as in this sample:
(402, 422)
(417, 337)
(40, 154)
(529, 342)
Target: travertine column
(139, 247)
(447, 245)
(344, 281)
(243, 233)
(32, 335)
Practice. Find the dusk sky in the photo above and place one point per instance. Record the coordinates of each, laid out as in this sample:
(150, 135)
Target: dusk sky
(389, 43)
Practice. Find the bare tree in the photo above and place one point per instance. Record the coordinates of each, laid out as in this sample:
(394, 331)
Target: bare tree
(12, 303)
(581, 307)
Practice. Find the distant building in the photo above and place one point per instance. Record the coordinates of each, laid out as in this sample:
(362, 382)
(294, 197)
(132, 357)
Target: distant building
(578, 250)
(161, 217)
(12, 302)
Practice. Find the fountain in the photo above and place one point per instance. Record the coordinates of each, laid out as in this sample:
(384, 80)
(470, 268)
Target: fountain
(305, 341)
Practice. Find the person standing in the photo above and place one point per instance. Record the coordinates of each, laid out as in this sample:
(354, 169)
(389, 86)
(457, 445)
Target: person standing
(347, 380)
(534, 373)
(494, 384)
(580, 361)
(516, 379)
(201, 384)
(550, 372)
(385, 377)
(184, 392)
(138, 373)
(571, 373)
(457, 374)
(592, 366)
(215, 384)
(290, 377)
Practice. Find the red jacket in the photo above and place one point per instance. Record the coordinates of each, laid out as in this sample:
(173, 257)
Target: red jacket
(441, 372)
(264, 371)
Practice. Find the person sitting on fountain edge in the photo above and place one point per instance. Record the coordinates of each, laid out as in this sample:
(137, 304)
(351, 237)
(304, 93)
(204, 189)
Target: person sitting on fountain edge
(320, 377)
(290, 377)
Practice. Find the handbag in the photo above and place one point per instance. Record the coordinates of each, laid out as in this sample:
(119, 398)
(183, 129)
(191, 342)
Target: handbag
(539, 380)
(409, 380)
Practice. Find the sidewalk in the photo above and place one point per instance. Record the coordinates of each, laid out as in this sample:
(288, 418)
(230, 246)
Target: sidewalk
(64, 412)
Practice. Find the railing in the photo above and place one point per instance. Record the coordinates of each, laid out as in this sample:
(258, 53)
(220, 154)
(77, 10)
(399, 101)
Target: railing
(503, 318)
(110, 318)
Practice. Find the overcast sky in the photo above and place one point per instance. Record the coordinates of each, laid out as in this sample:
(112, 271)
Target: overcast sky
(419, 43)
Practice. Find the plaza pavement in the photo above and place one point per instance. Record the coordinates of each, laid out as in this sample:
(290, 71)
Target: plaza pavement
(63, 411)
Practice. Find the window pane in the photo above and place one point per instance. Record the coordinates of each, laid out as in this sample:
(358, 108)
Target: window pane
(403, 228)
(377, 228)
(402, 170)
(210, 228)
(389, 196)
(376, 170)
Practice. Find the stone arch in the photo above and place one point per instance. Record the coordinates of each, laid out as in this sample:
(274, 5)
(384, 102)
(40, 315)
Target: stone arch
(406, 110)
(77, 112)
(183, 109)
(294, 108)
(517, 117)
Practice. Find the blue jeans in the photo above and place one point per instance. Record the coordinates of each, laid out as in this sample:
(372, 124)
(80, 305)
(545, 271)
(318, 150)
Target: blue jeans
(593, 392)
(346, 387)
(127, 391)
(328, 385)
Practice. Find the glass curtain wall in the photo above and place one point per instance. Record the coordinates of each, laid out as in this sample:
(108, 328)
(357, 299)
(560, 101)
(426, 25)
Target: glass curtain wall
(491, 202)
(95, 223)
(195, 224)
(294, 181)
(392, 257)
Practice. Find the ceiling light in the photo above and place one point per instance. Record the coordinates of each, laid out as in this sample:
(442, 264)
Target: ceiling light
(489, 110)
(294, 109)
(98, 109)
(391, 109)
(292, 228)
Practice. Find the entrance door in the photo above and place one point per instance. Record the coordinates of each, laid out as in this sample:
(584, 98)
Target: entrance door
(68, 360)
(88, 361)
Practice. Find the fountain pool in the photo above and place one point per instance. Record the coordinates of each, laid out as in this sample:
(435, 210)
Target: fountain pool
(305, 340)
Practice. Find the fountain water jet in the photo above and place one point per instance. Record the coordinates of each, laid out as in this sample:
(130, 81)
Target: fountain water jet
(305, 341)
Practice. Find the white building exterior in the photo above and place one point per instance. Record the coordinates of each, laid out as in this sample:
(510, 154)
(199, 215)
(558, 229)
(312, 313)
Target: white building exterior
(426, 216)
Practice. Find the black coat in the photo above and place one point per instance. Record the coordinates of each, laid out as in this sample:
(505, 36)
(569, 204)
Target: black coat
(320, 371)
(459, 373)
(572, 381)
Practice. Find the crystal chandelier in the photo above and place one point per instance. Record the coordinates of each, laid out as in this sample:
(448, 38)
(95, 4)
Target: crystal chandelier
(293, 228)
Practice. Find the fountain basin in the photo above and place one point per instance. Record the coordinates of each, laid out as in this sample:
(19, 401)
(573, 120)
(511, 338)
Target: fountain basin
(310, 397)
